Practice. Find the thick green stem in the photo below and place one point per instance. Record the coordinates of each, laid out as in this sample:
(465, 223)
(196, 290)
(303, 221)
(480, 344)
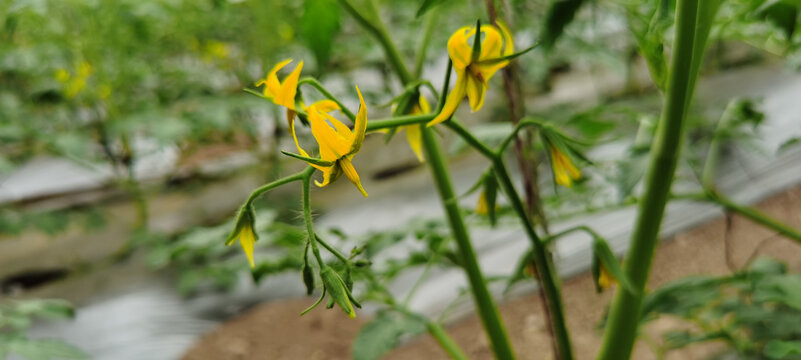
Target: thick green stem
(624, 316)
(487, 309)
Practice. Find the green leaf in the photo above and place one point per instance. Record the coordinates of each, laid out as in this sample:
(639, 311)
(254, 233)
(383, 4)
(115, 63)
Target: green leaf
(782, 14)
(426, 5)
(41, 349)
(383, 334)
(319, 24)
(777, 349)
(560, 13)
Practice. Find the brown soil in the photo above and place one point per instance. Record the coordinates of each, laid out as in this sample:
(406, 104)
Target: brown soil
(274, 331)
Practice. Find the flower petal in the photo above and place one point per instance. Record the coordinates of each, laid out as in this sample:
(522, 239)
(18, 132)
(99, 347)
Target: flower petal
(272, 85)
(350, 172)
(563, 169)
(286, 96)
(329, 174)
(332, 145)
(290, 118)
(454, 99)
(359, 127)
(415, 139)
(508, 39)
(324, 106)
(458, 48)
(492, 43)
(247, 240)
(476, 89)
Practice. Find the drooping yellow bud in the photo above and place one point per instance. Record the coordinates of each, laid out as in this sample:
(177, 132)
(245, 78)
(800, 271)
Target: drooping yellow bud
(563, 169)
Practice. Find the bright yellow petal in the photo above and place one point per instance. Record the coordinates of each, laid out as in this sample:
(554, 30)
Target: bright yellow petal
(350, 172)
(359, 127)
(492, 43)
(332, 145)
(286, 96)
(564, 170)
(330, 174)
(290, 117)
(424, 107)
(488, 70)
(342, 129)
(415, 139)
(247, 239)
(323, 106)
(458, 48)
(476, 89)
(508, 39)
(271, 84)
(454, 99)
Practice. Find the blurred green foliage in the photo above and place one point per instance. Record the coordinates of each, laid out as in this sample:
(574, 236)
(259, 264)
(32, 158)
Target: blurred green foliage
(17, 317)
(756, 311)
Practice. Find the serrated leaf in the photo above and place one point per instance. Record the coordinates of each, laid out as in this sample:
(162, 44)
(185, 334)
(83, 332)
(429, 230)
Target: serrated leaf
(319, 24)
(383, 334)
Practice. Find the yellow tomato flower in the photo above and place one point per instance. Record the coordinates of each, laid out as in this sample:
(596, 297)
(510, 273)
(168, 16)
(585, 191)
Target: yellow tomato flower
(337, 143)
(243, 231)
(282, 93)
(563, 169)
(473, 71)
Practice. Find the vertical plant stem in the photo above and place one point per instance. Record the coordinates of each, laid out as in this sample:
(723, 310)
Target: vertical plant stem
(624, 316)
(487, 310)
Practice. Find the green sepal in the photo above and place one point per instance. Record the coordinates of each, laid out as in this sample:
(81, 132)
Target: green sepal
(308, 159)
(245, 216)
(602, 254)
(320, 300)
(476, 43)
(477, 185)
(337, 290)
(508, 57)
